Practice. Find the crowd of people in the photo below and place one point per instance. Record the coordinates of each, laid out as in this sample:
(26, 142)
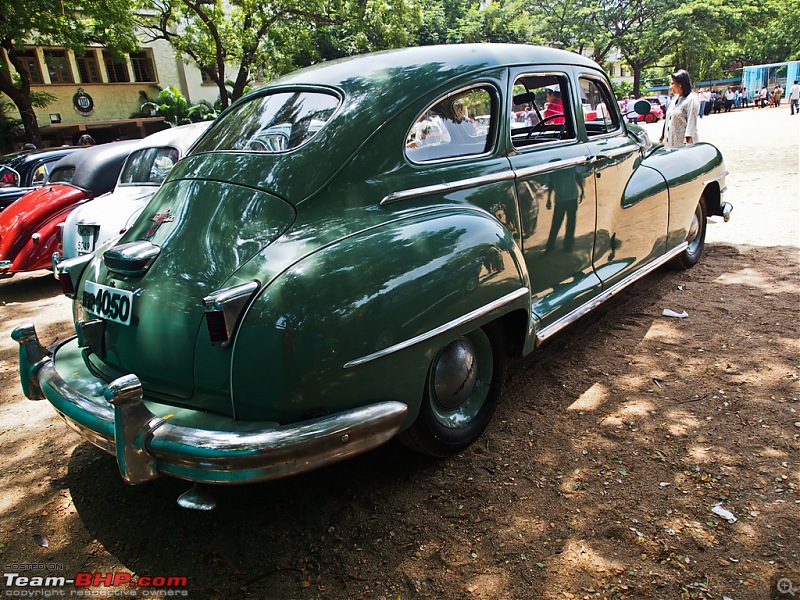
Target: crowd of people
(717, 101)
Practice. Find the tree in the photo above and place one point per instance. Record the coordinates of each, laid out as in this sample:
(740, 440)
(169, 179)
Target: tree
(640, 29)
(62, 23)
(263, 38)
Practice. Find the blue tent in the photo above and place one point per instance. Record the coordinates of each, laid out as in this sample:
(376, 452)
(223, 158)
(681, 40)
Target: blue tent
(757, 76)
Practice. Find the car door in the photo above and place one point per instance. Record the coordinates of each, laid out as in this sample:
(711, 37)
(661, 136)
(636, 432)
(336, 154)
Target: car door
(632, 201)
(555, 191)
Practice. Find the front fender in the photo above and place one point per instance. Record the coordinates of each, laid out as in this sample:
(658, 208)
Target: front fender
(691, 172)
(360, 319)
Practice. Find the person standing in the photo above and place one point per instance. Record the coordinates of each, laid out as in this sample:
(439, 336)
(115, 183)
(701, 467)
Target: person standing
(794, 98)
(701, 93)
(680, 126)
(777, 93)
(729, 100)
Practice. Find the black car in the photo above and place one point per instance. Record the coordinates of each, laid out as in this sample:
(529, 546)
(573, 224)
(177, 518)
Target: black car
(21, 172)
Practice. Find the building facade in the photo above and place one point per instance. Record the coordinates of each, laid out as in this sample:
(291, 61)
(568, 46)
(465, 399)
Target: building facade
(99, 94)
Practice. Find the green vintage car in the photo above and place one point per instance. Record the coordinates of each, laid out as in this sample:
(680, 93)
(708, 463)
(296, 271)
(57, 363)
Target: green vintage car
(350, 253)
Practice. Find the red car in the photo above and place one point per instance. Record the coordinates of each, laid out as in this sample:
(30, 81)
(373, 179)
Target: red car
(29, 227)
(656, 112)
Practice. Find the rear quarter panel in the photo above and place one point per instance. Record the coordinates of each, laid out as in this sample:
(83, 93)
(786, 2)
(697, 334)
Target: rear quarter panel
(363, 294)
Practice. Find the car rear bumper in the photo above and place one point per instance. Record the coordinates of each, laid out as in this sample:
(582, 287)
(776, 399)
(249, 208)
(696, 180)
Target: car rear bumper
(116, 418)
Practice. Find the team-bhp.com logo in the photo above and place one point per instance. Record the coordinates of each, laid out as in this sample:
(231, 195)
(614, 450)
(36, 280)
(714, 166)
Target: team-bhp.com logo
(83, 585)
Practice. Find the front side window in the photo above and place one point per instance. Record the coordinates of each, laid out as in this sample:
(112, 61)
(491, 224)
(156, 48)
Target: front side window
(599, 108)
(273, 123)
(58, 66)
(8, 177)
(461, 124)
(148, 166)
(541, 110)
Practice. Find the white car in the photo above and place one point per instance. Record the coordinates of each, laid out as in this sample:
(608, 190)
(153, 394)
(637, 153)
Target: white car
(144, 170)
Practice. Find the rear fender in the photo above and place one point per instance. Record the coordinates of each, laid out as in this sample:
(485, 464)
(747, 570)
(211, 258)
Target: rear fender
(38, 250)
(360, 320)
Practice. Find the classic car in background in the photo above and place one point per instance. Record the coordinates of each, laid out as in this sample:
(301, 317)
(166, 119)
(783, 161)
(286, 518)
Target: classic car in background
(145, 169)
(273, 311)
(29, 227)
(22, 172)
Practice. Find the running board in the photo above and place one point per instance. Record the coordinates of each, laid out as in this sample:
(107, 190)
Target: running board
(546, 332)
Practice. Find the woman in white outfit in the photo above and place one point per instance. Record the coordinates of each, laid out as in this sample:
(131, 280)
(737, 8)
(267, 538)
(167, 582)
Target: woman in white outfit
(680, 126)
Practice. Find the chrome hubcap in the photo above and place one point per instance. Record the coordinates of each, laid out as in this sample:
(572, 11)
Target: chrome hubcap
(455, 373)
(460, 379)
(693, 236)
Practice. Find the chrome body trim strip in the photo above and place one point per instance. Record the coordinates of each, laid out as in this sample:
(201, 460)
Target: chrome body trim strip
(470, 316)
(452, 186)
(147, 446)
(550, 330)
(464, 184)
(722, 175)
(550, 166)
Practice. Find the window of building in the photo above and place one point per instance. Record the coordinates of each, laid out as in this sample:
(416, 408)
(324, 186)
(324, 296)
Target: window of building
(87, 68)
(58, 66)
(117, 69)
(30, 64)
(142, 65)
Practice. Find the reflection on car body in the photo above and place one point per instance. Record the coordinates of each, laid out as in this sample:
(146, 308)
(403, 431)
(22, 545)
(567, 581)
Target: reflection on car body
(359, 285)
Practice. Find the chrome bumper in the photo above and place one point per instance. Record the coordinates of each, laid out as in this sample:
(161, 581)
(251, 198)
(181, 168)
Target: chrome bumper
(147, 446)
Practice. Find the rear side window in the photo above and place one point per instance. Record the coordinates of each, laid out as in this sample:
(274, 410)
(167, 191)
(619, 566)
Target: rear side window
(148, 166)
(541, 110)
(461, 124)
(277, 122)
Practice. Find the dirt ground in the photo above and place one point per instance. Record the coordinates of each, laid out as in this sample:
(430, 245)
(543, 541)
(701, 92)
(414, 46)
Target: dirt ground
(596, 479)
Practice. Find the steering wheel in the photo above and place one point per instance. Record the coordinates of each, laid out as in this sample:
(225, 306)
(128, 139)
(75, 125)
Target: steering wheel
(542, 123)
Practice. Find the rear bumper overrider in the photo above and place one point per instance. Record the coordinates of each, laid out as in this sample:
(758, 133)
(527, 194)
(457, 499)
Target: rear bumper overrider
(146, 446)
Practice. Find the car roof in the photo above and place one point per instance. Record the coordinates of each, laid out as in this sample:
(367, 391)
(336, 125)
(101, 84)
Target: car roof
(96, 167)
(374, 89)
(180, 137)
(17, 159)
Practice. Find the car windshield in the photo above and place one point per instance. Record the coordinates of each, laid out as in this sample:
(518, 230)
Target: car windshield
(8, 177)
(148, 166)
(271, 123)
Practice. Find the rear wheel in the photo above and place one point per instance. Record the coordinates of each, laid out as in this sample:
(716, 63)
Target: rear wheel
(463, 386)
(696, 238)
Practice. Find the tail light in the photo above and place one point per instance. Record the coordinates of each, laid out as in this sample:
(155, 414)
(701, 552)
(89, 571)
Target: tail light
(69, 272)
(224, 310)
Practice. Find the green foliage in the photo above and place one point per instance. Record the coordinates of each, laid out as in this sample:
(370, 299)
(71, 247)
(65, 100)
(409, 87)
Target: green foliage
(11, 129)
(176, 110)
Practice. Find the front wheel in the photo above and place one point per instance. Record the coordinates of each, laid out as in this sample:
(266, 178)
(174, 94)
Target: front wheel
(463, 386)
(696, 238)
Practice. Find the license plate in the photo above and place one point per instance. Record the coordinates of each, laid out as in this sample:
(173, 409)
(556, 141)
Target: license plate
(108, 302)
(86, 237)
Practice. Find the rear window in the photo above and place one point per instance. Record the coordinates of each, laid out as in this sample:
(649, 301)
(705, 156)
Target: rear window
(272, 123)
(61, 175)
(148, 166)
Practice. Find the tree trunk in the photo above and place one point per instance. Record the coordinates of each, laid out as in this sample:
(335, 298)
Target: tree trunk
(21, 97)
